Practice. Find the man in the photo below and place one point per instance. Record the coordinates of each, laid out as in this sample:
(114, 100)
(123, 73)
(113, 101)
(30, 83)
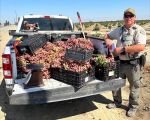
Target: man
(131, 41)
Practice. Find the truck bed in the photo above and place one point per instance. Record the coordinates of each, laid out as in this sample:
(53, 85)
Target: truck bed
(54, 91)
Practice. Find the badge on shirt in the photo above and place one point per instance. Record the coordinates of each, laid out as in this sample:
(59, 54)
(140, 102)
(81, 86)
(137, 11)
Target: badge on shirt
(142, 32)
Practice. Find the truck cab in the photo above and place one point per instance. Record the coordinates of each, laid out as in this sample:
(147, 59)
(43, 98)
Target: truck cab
(52, 90)
(46, 23)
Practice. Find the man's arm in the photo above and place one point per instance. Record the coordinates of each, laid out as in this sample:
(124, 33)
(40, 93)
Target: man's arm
(130, 49)
(135, 48)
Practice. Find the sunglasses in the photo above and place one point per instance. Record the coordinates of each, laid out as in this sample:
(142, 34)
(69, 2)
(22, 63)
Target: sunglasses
(128, 16)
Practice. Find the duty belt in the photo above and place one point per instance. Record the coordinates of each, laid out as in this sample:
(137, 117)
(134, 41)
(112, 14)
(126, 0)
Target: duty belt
(133, 61)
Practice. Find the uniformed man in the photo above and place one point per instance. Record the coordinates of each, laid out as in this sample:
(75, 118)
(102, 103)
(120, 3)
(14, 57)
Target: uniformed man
(131, 41)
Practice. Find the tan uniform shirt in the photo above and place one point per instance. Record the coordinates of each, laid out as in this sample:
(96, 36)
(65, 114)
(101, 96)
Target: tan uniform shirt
(135, 35)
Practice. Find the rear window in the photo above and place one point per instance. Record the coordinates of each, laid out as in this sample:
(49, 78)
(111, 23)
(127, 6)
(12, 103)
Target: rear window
(47, 24)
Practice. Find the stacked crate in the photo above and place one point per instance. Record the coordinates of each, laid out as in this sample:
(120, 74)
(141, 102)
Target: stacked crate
(108, 71)
(76, 79)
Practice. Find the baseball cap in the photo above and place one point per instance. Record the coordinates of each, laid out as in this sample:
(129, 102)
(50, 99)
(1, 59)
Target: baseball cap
(130, 10)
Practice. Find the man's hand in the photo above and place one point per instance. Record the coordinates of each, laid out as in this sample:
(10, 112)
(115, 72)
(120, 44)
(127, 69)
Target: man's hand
(117, 50)
(108, 41)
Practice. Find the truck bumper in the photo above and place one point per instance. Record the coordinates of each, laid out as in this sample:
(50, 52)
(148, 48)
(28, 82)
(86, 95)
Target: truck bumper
(54, 91)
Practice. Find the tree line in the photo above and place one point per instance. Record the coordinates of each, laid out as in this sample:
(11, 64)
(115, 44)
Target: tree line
(6, 23)
(108, 24)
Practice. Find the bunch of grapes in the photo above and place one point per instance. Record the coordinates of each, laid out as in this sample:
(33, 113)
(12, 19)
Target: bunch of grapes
(52, 55)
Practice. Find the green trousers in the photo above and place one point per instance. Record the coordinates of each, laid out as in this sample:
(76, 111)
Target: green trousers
(133, 74)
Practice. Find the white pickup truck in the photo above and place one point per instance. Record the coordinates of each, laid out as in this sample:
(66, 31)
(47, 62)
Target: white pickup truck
(53, 90)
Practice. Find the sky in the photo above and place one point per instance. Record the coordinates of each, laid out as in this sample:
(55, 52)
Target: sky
(90, 10)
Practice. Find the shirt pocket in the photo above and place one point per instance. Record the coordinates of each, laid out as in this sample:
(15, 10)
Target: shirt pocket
(128, 40)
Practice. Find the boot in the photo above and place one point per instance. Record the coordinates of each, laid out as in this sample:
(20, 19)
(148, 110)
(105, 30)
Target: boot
(131, 112)
(113, 105)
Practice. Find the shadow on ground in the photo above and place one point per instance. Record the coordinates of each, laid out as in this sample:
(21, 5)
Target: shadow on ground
(50, 111)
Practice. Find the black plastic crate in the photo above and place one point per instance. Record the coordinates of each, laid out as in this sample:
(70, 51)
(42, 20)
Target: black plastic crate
(78, 53)
(75, 79)
(32, 43)
(108, 71)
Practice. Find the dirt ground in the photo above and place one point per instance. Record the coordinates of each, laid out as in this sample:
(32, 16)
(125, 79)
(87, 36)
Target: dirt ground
(89, 108)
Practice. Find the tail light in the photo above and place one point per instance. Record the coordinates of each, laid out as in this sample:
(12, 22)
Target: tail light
(7, 66)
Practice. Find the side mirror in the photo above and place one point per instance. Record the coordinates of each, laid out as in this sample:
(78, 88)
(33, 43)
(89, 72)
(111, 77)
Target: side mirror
(12, 32)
